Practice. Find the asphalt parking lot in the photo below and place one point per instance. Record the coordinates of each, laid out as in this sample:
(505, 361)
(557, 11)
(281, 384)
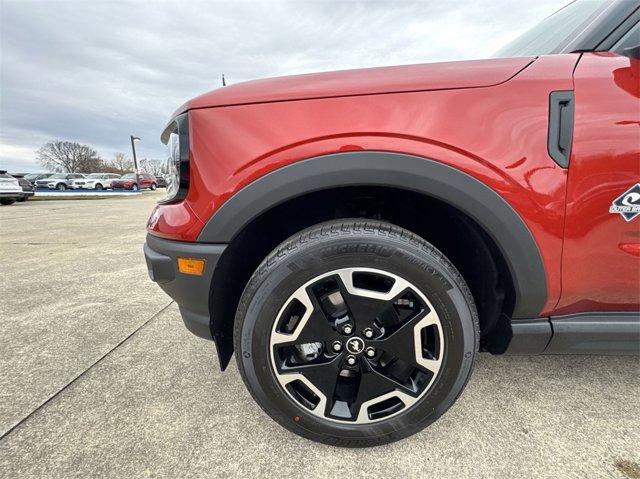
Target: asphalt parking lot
(98, 377)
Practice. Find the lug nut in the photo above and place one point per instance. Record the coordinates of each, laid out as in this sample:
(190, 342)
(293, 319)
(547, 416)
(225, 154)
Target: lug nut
(336, 346)
(351, 360)
(370, 352)
(347, 329)
(368, 333)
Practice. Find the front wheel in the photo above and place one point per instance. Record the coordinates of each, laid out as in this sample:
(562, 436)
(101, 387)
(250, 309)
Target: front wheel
(134, 188)
(61, 187)
(153, 187)
(7, 201)
(99, 187)
(356, 333)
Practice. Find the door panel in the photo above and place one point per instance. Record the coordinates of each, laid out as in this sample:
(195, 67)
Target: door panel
(601, 252)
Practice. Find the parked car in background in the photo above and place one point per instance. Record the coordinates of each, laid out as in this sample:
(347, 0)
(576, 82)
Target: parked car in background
(58, 181)
(10, 189)
(33, 177)
(95, 181)
(129, 182)
(27, 187)
(162, 183)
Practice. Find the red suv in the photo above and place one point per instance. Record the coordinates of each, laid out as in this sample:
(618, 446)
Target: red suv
(134, 182)
(357, 237)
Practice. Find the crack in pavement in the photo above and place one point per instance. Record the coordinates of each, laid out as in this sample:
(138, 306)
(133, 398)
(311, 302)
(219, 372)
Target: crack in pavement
(97, 361)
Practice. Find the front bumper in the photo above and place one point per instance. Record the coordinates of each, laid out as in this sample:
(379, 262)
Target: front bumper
(192, 293)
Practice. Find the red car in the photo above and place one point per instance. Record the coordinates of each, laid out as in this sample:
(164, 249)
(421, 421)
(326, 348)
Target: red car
(357, 237)
(130, 182)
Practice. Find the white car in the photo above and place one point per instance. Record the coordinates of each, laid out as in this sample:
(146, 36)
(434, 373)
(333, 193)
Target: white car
(58, 181)
(10, 189)
(94, 181)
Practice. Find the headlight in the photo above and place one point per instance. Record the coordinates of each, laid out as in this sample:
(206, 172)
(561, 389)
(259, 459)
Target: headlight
(176, 169)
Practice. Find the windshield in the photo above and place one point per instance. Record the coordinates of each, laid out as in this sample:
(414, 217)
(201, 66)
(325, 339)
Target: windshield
(555, 32)
(95, 175)
(33, 176)
(129, 176)
(58, 176)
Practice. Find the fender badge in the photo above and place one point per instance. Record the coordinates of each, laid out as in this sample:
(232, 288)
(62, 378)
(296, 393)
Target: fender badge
(628, 203)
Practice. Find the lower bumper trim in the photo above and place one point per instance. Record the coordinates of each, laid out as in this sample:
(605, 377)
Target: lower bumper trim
(191, 293)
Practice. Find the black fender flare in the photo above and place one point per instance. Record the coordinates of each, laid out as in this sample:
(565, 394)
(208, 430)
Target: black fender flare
(462, 191)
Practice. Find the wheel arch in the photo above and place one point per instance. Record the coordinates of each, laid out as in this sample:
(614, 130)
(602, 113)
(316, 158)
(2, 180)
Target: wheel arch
(418, 175)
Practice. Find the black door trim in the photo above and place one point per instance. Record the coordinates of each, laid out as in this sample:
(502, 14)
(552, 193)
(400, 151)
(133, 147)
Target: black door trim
(595, 333)
(584, 333)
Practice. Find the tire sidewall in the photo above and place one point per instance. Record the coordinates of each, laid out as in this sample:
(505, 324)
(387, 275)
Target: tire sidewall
(276, 281)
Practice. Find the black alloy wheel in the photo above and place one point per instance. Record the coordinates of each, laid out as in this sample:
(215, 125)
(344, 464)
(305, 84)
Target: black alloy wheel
(356, 333)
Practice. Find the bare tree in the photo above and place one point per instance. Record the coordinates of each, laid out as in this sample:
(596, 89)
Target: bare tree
(153, 167)
(120, 164)
(68, 156)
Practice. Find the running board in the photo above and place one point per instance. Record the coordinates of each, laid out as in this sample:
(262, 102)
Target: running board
(584, 333)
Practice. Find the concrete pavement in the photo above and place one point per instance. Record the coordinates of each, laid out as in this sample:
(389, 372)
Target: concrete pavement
(98, 377)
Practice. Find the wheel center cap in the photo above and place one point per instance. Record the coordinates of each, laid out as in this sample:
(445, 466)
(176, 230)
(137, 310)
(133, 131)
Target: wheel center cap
(355, 345)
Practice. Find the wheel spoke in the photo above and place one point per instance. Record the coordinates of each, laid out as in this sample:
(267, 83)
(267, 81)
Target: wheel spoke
(313, 326)
(323, 375)
(398, 344)
(363, 307)
(373, 384)
(315, 329)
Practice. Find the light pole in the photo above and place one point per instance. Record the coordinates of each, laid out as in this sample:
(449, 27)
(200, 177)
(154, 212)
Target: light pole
(135, 159)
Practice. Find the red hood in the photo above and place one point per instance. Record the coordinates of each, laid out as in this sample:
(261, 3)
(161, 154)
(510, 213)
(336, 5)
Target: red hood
(429, 76)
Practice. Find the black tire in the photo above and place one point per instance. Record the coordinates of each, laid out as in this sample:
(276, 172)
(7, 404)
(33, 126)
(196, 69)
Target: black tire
(99, 187)
(22, 199)
(61, 187)
(153, 187)
(7, 201)
(134, 187)
(343, 244)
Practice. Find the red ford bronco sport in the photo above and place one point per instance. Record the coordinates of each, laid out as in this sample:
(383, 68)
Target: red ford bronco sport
(357, 237)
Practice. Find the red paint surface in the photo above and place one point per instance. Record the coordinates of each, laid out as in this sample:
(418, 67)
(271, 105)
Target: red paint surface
(598, 274)
(497, 134)
(429, 76)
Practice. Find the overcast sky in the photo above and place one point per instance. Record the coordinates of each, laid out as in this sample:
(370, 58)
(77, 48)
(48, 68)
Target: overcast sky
(97, 71)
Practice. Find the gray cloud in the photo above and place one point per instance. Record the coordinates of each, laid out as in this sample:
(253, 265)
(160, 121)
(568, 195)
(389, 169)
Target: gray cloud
(95, 72)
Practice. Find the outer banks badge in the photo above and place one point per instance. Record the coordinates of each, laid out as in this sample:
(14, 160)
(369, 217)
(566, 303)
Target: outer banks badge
(628, 203)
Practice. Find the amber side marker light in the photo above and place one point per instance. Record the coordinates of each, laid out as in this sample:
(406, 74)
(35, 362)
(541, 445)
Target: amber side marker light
(191, 266)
